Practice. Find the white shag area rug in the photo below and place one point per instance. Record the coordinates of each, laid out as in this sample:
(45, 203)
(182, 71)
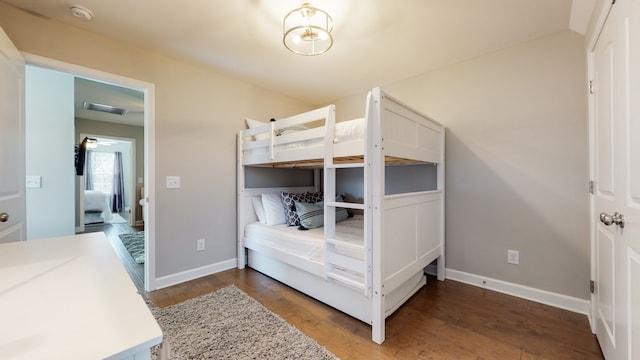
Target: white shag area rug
(229, 324)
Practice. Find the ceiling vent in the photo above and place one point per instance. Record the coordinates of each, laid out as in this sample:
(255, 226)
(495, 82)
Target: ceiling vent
(104, 108)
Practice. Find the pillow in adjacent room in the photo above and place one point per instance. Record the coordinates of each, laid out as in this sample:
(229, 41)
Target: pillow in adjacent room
(312, 214)
(255, 123)
(289, 202)
(259, 208)
(273, 209)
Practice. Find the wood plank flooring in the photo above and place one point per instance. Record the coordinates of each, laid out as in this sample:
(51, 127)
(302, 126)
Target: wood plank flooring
(444, 320)
(135, 270)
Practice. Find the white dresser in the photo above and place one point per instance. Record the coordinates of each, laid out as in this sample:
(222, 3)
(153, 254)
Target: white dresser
(71, 298)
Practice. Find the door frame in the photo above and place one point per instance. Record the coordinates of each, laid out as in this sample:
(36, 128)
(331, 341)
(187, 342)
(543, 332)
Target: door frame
(602, 15)
(149, 142)
(133, 200)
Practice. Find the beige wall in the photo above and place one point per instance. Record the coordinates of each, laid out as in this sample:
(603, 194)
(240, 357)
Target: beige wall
(516, 149)
(198, 112)
(517, 160)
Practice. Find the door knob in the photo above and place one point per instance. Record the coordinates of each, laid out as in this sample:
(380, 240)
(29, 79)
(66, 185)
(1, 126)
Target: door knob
(4, 217)
(616, 218)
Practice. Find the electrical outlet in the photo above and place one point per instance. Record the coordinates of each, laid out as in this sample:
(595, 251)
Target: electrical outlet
(200, 245)
(513, 257)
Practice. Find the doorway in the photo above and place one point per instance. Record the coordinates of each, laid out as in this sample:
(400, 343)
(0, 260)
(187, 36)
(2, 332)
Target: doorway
(109, 173)
(108, 196)
(112, 183)
(145, 147)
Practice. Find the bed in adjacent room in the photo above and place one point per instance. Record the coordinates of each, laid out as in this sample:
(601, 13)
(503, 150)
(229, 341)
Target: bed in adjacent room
(96, 207)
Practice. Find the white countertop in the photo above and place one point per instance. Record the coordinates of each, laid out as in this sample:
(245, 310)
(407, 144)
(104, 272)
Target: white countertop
(70, 298)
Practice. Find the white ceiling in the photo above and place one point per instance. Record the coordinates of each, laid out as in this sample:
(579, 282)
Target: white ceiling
(105, 94)
(377, 42)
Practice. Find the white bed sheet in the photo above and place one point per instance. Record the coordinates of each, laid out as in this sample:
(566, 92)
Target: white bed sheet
(308, 244)
(345, 131)
(97, 201)
(350, 130)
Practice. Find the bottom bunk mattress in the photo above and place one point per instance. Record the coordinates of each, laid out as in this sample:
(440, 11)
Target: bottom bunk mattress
(296, 258)
(303, 248)
(346, 299)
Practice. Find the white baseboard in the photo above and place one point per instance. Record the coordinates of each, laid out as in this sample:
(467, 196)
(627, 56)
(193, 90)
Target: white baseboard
(577, 305)
(565, 302)
(174, 279)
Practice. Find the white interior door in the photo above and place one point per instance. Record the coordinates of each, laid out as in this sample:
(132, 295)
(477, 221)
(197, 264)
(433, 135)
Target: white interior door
(12, 177)
(616, 161)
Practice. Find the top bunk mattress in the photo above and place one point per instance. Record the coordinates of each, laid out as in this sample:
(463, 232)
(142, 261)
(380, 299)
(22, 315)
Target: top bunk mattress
(407, 137)
(349, 135)
(306, 244)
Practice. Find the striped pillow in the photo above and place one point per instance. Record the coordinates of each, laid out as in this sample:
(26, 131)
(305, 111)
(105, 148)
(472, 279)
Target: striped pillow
(311, 215)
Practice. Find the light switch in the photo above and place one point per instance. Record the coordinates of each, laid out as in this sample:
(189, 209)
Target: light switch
(140, 180)
(173, 182)
(34, 182)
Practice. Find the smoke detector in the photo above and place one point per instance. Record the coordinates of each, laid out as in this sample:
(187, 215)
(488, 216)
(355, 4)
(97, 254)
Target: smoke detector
(81, 12)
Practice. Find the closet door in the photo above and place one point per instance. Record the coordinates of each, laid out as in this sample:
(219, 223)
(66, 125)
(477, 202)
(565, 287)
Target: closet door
(12, 152)
(616, 198)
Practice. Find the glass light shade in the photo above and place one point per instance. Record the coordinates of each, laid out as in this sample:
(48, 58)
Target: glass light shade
(307, 30)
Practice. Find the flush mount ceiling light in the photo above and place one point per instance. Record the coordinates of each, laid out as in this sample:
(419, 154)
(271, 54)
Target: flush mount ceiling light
(307, 30)
(81, 12)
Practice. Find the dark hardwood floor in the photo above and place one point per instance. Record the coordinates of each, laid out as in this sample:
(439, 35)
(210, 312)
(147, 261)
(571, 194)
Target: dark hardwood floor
(135, 270)
(444, 320)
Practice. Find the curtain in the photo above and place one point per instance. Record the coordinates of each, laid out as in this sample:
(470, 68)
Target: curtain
(88, 172)
(117, 194)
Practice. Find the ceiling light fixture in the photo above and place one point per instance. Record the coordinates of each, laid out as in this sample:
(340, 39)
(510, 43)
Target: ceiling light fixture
(307, 30)
(90, 143)
(81, 12)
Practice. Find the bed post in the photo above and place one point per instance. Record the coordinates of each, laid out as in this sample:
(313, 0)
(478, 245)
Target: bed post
(374, 185)
(441, 186)
(316, 180)
(240, 256)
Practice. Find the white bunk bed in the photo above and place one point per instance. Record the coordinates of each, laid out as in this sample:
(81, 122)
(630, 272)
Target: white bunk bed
(371, 276)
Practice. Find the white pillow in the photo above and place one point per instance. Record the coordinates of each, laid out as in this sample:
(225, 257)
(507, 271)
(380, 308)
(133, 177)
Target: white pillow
(273, 209)
(258, 208)
(291, 130)
(255, 123)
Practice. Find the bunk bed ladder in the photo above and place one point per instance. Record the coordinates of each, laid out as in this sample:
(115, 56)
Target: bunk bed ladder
(350, 270)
